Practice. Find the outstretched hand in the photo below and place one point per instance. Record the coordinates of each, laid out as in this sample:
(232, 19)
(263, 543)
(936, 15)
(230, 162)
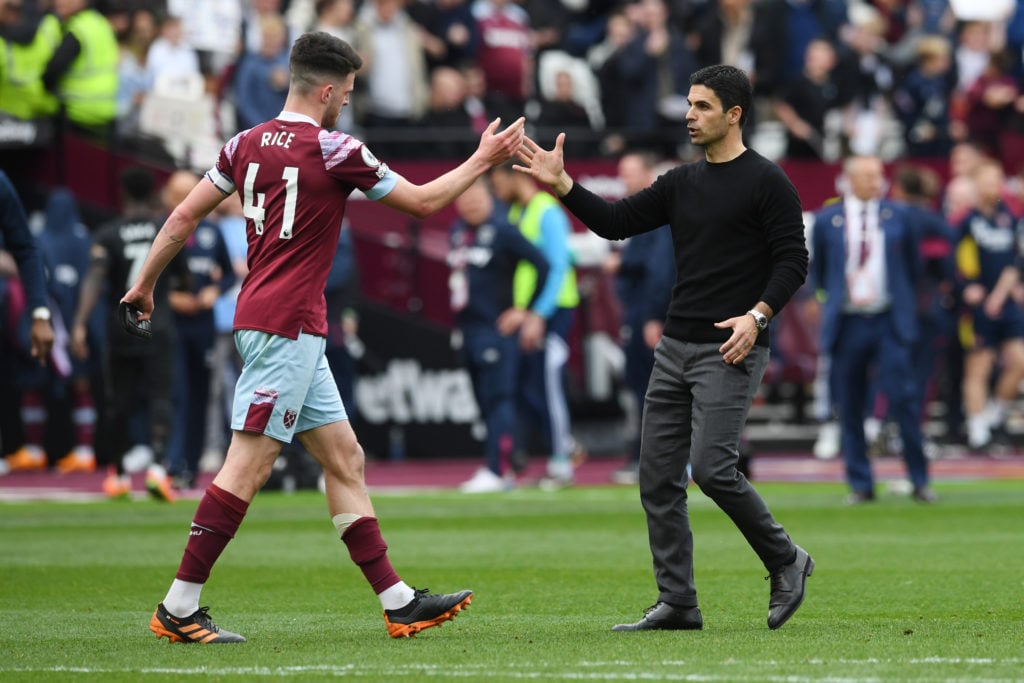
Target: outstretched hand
(496, 148)
(545, 166)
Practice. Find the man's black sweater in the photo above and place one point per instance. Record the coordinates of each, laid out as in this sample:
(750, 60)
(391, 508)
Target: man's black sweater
(738, 232)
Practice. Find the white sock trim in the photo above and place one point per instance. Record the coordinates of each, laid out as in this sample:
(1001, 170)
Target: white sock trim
(343, 521)
(183, 598)
(396, 596)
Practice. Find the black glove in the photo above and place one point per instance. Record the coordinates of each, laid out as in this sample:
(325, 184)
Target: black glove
(129, 316)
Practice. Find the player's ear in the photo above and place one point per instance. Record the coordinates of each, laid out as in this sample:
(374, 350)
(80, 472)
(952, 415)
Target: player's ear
(325, 92)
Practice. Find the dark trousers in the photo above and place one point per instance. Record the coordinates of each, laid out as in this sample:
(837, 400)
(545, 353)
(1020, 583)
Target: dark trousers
(866, 347)
(192, 397)
(542, 404)
(695, 411)
(493, 364)
(639, 364)
(134, 382)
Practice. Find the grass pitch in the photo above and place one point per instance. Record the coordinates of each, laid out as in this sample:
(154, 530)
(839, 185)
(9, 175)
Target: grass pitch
(900, 592)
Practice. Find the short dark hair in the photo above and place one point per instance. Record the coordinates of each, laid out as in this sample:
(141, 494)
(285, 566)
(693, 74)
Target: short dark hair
(730, 84)
(318, 57)
(137, 184)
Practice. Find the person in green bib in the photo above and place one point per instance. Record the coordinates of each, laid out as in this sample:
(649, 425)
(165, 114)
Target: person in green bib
(26, 45)
(543, 221)
(83, 70)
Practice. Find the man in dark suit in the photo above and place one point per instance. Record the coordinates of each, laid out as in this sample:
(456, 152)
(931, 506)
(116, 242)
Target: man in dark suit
(867, 264)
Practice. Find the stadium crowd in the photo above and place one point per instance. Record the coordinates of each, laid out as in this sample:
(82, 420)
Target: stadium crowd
(932, 88)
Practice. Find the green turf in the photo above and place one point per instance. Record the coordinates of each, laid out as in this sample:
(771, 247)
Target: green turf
(901, 591)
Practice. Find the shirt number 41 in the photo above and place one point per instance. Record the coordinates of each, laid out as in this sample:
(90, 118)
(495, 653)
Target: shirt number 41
(252, 202)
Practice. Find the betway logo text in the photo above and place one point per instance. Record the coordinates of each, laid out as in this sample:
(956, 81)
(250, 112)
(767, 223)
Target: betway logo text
(406, 393)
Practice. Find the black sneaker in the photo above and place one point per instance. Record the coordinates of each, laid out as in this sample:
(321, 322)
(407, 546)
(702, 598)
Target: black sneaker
(198, 628)
(424, 611)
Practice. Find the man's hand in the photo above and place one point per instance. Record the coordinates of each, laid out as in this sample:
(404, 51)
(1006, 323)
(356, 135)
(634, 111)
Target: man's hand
(496, 148)
(545, 166)
(79, 341)
(140, 300)
(744, 334)
(42, 339)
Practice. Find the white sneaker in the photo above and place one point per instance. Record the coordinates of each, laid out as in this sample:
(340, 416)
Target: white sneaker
(827, 445)
(560, 475)
(137, 459)
(484, 481)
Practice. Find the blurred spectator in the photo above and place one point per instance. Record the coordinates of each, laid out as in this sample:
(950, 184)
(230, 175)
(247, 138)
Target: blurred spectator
(449, 130)
(451, 38)
(802, 21)
(211, 272)
(138, 373)
(484, 252)
(134, 79)
(584, 24)
(344, 348)
(505, 56)
(83, 70)
(336, 17)
(253, 14)
(740, 33)
(391, 92)
(261, 82)
(975, 42)
(64, 243)
(214, 30)
(225, 363)
(547, 23)
(27, 291)
(867, 264)
(659, 64)
(866, 80)
(988, 263)
(171, 60)
(989, 103)
(544, 338)
(805, 105)
(917, 187)
(644, 271)
(27, 43)
(922, 99)
(921, 19)
(562, 112)
(611, 65)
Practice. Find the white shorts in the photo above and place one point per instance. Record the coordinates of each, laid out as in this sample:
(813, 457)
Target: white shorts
(286, 386)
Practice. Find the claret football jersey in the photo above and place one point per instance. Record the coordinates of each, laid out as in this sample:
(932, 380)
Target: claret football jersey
(294, 179)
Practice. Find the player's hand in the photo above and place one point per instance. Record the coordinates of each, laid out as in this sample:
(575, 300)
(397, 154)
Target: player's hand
(41, 336)
(510, 320)
(143, 301)
(79, 342)
(653, 330)
(546, 166)
(739, 345)
(531, 332)
(496, 148)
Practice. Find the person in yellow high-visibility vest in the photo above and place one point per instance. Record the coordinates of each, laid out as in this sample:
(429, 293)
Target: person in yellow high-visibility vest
(25, 48)
(543, 222)
(83, 70)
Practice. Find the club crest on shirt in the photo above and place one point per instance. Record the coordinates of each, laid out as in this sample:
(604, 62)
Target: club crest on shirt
(289, 418)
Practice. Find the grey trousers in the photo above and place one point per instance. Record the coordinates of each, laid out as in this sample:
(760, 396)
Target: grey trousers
(694, 412)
